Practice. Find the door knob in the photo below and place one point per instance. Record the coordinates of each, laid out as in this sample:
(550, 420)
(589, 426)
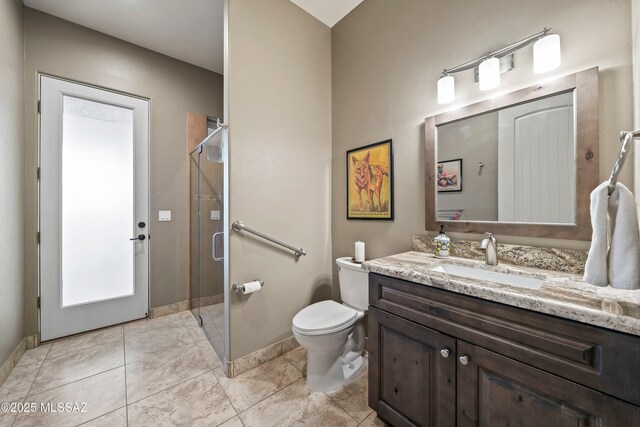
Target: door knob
(140, 237)
(444, 352)
(464, 360)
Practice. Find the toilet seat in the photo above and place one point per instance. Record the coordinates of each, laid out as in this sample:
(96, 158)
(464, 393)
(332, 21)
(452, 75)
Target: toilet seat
(324, 318)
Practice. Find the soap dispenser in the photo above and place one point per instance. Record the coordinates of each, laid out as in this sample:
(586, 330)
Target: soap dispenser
(442, 243)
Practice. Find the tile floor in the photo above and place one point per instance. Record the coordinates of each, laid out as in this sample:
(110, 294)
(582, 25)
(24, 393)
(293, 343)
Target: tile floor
(213, 325)
(164, 372)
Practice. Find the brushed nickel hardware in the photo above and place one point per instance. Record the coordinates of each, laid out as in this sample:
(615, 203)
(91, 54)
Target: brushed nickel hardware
(464, 360)
(490, 246)
(239, 226)
(625, 138)
(240, 288)
(444, 352)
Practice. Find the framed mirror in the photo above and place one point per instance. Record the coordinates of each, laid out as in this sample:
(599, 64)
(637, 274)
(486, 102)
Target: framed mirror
(521, 164)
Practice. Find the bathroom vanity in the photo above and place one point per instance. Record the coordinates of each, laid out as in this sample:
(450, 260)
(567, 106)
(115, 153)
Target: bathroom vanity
(448, 350)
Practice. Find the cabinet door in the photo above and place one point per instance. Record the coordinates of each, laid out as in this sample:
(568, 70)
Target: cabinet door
(495, 391)
(411, 372)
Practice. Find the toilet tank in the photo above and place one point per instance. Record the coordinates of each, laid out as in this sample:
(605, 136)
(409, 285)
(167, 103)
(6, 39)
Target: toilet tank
(354, 283)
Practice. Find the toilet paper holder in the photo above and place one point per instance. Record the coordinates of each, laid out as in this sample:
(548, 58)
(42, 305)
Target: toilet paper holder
(240, 288)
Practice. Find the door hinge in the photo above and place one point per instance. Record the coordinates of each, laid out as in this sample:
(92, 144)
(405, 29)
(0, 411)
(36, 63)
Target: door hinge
(39, 107)
(38, 237)
(38, 302)
(38, 173)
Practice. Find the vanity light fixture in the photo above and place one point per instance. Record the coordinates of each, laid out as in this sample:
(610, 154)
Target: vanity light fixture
(546, 54)
(546, 57)
(489, 72)
(446, 89)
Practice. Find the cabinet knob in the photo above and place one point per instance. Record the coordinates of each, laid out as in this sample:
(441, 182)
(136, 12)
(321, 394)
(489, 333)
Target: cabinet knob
(444, 352)
(464, 360)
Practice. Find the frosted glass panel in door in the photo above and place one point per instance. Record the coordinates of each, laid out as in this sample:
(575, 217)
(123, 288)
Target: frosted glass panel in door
(97, 201)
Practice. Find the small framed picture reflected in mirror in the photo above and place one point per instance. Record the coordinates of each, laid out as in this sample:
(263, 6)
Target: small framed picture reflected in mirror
(449, 173)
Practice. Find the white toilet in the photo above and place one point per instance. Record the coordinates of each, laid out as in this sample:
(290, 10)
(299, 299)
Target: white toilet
(333, 333)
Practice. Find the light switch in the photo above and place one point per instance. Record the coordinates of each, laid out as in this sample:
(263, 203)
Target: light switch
(215, 215)
(164, 216)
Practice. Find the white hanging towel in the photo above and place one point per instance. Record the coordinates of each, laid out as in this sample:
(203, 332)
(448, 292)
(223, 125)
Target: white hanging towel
(614, 256)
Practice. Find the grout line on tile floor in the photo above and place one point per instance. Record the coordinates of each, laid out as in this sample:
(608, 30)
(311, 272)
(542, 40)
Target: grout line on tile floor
(237, 414)
(354, 378)
(103, 415)
(70, 382)
(230, 418)
(34, 380)
(75, 381)
(227, 396)
(340, 406)
(299, 370)
(173, 385)
(266, 397)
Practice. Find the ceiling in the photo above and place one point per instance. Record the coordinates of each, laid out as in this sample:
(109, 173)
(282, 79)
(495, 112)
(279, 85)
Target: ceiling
(192, 34)
(328, 11)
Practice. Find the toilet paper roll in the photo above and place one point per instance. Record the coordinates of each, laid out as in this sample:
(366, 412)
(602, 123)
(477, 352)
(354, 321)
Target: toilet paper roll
(251, 287)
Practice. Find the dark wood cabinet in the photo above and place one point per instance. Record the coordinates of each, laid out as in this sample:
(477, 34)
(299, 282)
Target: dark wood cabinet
(494, 390)
(437, 358)
(415, 371)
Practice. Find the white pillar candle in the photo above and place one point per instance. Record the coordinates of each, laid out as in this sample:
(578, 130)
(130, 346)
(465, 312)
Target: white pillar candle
(359, 252)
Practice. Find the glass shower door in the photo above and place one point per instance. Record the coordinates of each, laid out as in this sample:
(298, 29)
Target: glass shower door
(207, 238)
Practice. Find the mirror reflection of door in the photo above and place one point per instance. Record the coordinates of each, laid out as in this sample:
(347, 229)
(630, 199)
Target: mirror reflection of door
(536, 161)
(94, 208)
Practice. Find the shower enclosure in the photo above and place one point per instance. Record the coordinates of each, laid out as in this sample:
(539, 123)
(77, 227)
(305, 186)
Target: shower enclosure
(208, 239)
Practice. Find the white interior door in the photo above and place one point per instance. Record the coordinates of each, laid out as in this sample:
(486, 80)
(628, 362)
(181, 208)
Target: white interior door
(94, 208)
(536, 162)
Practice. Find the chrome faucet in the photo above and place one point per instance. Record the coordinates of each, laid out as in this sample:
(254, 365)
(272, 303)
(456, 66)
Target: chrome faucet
(490, 246)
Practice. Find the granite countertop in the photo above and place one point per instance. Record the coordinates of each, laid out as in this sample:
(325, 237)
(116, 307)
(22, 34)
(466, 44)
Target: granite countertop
(561, 294)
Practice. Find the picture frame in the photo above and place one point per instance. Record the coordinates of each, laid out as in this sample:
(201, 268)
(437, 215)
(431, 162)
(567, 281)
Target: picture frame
(370, 182)
(449, 176)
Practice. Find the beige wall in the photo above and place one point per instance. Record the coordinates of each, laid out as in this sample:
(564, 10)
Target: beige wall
(279, 114)
(387, 57)
(60, 48)
(473, 140)
(11, 176)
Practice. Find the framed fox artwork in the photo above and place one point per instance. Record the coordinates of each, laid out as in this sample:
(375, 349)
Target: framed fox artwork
(370, 182)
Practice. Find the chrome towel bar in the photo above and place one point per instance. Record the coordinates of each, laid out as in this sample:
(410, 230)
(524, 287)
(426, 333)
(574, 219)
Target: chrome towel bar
(239, 226)
(625, 139)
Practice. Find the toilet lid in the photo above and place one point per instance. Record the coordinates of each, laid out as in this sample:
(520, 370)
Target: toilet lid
(324, 317)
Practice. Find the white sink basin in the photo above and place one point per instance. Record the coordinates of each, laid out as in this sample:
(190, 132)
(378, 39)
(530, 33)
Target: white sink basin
(490, 276)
